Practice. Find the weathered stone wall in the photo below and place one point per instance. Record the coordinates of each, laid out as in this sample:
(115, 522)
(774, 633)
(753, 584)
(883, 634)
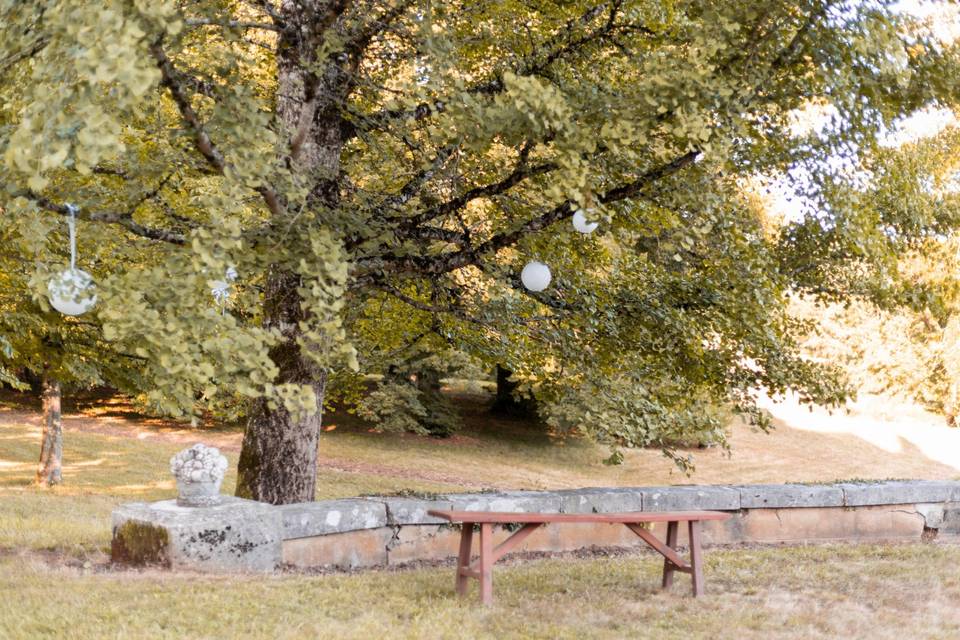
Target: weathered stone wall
(241, 535)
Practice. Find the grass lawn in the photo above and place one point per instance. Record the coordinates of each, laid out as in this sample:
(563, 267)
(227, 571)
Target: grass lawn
(855, 591)
(113, 455)
(55, 580)
(102, 471)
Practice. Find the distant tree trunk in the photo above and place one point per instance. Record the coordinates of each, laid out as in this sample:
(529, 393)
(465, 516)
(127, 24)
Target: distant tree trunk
(442, 419)
(506, 403)
(49, 471)
(278, 460)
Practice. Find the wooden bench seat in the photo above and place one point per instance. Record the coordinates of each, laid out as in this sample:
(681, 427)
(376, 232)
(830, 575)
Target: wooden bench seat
(482, 567)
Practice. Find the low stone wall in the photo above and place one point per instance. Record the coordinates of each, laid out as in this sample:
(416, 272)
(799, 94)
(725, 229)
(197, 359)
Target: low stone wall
(241, 535)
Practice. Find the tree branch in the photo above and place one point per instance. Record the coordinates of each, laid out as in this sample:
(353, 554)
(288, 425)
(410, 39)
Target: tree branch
(38, 45)
(444, 263)
(231, 24)
(521, 171)
(459, 312)
(172, 80)
(555, 48)
(415, 184)
(360, 39)
(123, 219)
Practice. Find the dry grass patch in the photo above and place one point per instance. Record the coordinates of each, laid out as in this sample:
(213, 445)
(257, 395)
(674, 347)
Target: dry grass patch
(836, 591)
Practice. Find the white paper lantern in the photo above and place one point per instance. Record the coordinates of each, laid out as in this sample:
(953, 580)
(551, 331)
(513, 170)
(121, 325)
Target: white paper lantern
(72, 292)
(535, 276)
(581, 224)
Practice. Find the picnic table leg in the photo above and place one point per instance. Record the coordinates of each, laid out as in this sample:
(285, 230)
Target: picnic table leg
(696, 558)
(486, 563)
(463, 562)
(668, 567)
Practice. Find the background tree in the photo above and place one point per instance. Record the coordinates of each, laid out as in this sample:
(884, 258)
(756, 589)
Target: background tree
(336, 153)
(42, 349)
(900, 336)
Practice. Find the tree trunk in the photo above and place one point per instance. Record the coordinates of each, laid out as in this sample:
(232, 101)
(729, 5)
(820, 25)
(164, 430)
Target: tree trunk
(49, 471)
(278, 460)
(505, 403)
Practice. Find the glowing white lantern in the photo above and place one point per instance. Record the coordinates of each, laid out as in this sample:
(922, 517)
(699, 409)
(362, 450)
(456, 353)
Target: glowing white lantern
(72, 292)
(581, 224)
(535, 276)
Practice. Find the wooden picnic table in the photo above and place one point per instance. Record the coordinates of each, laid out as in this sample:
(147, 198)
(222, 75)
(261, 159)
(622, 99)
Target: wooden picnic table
(482, 567)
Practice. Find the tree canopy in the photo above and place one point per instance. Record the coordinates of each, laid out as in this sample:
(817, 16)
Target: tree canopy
(377, 173)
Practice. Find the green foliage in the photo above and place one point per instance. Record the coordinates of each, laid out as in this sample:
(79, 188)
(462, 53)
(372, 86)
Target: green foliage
(409, 397)
(401, 162)
(896, 255)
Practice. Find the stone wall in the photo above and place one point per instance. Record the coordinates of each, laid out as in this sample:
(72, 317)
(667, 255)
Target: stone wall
(241, 535)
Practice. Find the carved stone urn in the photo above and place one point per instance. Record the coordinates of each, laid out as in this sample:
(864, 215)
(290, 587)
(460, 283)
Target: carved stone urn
(199, 471)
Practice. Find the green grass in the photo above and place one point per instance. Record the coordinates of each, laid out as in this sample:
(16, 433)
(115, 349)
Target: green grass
(102, 471)
(49, 536)
(832, 591)
(113, 455)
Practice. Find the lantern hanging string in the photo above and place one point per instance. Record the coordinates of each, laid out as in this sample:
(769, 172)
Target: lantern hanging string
(72, 224)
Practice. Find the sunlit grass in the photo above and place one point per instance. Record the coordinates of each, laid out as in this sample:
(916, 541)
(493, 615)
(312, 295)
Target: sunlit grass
(113, 455)
(834, 591)
(101, 472)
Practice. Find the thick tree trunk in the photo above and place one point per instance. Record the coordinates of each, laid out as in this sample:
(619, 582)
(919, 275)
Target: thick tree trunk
(49, 471)
(278, 461)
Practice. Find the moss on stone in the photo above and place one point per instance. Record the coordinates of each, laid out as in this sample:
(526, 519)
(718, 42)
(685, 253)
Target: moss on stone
(140, 543)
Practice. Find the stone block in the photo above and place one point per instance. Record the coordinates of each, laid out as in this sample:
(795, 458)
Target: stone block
(713, 532)
(567, 536)
(781, 496)
(880, 523)
(235, 536)
(308, 519)
(950, 523)
(509, 501)
(691, 498)
(403, 510)
(349, 550)
(858, 494)
(411, 543)
(932, 514)
(597, 500)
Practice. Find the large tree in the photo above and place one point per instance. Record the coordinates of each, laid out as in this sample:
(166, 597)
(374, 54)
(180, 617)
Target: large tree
(347, 157)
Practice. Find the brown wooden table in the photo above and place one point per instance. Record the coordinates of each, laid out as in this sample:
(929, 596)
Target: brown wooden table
(482, 567)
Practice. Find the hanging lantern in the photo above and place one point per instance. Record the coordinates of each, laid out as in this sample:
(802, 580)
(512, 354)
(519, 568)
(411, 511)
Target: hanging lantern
(72, 291)
(581, 224)
(220, 289)
(535, 276)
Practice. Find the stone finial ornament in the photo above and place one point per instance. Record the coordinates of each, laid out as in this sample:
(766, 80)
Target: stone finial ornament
(199, 471)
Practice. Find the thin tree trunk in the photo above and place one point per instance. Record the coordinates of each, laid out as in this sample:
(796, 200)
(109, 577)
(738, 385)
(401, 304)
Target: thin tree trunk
(278, 460)
(49, 471)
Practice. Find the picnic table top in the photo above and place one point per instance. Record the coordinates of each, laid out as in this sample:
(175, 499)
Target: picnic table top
(624, 517)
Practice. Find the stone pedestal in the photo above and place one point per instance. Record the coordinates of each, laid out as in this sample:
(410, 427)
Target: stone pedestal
(235, 535)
